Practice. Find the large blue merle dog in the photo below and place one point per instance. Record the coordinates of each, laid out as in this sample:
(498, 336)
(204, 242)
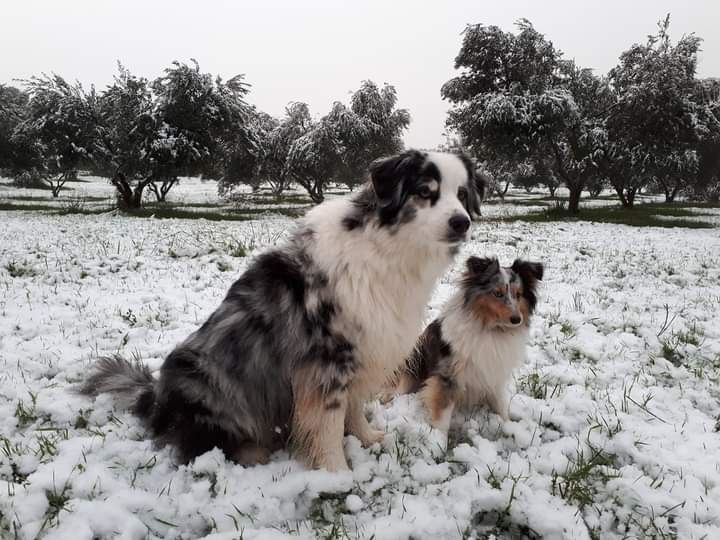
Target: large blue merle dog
(311, 329)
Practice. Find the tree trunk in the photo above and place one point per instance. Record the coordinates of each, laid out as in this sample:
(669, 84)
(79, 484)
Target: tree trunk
(162, 191)
(552, 190)
(631, 197)
(129, 198)
(316, 194)
(671, 196)
(507, 186)
(574, 201)
(627, 197)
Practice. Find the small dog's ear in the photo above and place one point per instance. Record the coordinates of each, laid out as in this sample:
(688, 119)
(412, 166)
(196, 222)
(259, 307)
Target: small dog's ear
(485, 265)
(389, 176)
(530, 273)
(533, 270)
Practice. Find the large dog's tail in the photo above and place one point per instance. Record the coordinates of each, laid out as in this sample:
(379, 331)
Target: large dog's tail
(131, 383)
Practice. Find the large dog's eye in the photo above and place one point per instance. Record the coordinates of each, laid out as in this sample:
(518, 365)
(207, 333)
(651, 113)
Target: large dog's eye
(424, 191)
(498, 294)
(462, 194)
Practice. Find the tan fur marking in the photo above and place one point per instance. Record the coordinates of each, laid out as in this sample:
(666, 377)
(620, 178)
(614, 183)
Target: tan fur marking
(317, 431)
(488, 310)
(436, 397)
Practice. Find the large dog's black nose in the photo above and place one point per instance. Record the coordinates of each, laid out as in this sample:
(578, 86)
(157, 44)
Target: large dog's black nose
(459, 224)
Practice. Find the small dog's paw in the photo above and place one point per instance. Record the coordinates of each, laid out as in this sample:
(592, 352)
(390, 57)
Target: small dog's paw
(387, 397)
(437, 442)
(371, 437)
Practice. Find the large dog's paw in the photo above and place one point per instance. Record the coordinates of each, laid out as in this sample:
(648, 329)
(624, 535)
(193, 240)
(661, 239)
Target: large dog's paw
(370, 437)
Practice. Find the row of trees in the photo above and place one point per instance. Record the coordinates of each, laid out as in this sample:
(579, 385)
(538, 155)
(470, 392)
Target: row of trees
(534, 117)
(144, 135)
(312, 153)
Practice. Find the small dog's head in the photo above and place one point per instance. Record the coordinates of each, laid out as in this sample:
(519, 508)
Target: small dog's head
(501, 297)
(435, 192)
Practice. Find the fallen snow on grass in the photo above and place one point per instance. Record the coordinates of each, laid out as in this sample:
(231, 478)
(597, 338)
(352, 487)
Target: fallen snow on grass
(614, 417)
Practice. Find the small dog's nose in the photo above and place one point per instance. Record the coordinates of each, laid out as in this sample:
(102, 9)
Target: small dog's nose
(459, 224)
(515, 319)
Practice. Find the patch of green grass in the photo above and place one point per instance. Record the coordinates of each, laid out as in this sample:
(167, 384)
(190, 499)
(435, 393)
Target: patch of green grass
(223, 265)
(589, 469)
(20, 269)
(643, 215)
(290, 212)
(538, 387)
(60, 211)
(517, 202)
(49, 199)
(170, 212)
(37, 207)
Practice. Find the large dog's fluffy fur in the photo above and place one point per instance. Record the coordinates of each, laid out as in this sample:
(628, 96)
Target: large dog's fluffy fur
(311, 329)
(466, 356)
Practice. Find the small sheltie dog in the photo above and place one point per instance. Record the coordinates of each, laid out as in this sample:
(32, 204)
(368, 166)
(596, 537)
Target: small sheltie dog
(312, 328)
(465, 357)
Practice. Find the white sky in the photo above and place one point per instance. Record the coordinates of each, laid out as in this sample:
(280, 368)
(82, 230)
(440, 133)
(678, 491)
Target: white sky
(319, 51)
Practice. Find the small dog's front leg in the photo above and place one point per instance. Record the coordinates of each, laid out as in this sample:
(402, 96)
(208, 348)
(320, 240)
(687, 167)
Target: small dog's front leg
(356, 423)
(437, 395)
(499, 404)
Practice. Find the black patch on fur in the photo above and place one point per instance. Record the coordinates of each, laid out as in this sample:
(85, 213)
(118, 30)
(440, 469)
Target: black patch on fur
(332, 404)
(480, 276)
(530, 273)
(428, 354)
(475, 187)
(393, 181)
(275, 267)
(407, 214)
(189, 426)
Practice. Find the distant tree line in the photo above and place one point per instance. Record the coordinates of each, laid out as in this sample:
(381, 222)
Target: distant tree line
(529, 115)
(533, 117)
(144, 135)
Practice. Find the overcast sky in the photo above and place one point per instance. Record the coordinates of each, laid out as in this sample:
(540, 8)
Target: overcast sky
(319, 51)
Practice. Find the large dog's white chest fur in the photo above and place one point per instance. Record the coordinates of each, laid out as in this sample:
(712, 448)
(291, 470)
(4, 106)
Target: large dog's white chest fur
(381, 285)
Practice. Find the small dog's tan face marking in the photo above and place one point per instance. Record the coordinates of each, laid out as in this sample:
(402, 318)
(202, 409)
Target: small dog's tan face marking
(504, 305)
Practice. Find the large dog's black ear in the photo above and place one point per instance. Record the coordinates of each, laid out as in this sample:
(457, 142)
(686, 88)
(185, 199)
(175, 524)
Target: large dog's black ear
(475, 187)
(390, 177)
(530, 273)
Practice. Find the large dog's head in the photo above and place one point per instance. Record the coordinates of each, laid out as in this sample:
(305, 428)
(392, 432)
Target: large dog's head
(431, 194)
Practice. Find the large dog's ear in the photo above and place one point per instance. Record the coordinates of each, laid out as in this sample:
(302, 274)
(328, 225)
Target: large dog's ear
(390, 178)
(530, 273)
(475, 187)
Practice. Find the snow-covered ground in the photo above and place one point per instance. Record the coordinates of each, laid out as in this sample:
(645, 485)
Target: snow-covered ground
(615, 416)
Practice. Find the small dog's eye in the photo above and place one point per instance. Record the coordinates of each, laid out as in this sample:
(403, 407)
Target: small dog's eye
(518, 295)
(424, 192)
(462, 194)
(498, 294)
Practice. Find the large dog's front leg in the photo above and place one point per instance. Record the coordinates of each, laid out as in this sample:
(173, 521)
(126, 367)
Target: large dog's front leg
(356, 423)
(319, 422)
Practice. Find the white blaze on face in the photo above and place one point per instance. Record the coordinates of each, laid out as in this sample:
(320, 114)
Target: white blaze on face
(453, 175)
(506, 278)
